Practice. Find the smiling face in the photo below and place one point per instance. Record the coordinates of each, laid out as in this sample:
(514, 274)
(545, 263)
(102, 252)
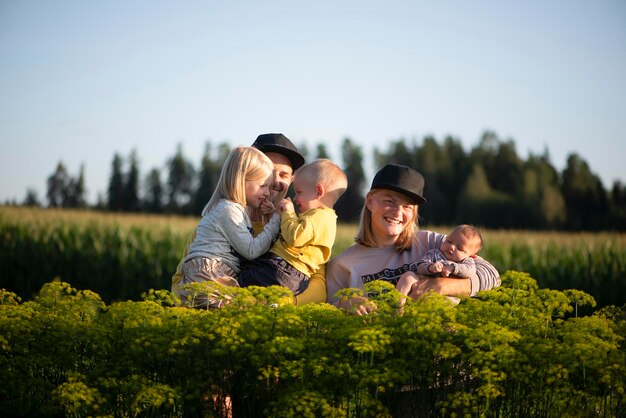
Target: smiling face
(257, 190)
(283, 175)
(458, 246)
(391, 213)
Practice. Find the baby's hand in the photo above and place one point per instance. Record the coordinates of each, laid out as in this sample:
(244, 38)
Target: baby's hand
(436, 267)
(267, 208)
(447, 270)
(285, 205)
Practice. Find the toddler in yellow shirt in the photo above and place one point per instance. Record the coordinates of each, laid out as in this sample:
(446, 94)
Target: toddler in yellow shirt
(306, 240)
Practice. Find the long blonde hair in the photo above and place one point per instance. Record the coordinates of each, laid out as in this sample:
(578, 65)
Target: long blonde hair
(241, 165)
(365, 236)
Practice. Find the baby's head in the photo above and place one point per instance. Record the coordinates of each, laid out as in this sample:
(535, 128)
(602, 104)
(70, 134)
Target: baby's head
(323, 180)
(464, 241)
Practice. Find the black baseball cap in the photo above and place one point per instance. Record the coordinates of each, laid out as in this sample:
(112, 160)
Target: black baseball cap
(280, 144)
(401, 179)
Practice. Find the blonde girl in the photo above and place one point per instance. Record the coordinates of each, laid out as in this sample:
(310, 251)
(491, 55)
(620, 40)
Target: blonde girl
(224, 235)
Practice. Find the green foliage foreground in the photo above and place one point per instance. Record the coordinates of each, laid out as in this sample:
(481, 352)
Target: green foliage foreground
(515, 351)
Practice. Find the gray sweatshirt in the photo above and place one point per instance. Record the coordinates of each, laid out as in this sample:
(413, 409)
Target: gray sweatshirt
(225, 234)
(359, 264)
(465, 268)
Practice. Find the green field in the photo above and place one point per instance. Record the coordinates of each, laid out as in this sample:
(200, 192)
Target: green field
(90, 344)
(120, 256)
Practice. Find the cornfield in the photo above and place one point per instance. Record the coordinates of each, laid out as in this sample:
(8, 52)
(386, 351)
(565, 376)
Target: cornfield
(120, 256)
(117, 256)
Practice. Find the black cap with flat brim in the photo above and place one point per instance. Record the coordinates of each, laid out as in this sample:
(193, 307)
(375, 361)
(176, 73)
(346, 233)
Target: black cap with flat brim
(280, 144)
(401, 179)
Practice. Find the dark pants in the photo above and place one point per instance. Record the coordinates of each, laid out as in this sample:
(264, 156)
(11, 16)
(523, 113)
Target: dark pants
(272, 270)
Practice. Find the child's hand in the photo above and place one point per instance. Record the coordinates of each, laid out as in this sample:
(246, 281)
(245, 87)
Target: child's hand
(436, 267)
(447, 270)
(285, 205)
(267, 208)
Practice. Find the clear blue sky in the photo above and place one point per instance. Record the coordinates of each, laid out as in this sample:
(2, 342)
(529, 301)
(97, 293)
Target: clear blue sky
(81, 80)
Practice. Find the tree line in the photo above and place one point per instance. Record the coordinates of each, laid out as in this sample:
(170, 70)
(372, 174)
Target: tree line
(490, 185)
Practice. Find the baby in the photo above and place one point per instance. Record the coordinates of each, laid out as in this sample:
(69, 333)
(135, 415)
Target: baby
(306, 240)
(453, 258)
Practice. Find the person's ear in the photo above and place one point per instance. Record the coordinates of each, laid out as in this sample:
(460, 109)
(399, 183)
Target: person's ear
(368, 201)
(319, 190)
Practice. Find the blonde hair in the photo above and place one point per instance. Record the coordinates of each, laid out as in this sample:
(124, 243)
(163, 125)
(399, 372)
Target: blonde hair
(328, 174)
(241, 165)
(365, 236)
(470, 232)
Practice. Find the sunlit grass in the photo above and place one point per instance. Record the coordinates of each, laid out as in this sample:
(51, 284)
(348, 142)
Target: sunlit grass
(46, 216)
(145, 248)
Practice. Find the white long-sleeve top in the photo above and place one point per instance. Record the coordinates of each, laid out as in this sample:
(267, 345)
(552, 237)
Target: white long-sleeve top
(225, 233)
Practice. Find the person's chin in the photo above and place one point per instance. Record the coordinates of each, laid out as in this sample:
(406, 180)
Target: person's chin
(395, 230)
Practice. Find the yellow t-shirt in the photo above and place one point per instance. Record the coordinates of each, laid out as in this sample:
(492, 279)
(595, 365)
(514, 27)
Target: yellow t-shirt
(306, 241)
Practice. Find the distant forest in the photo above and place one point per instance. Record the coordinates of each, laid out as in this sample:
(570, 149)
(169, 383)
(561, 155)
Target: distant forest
(488, 186)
